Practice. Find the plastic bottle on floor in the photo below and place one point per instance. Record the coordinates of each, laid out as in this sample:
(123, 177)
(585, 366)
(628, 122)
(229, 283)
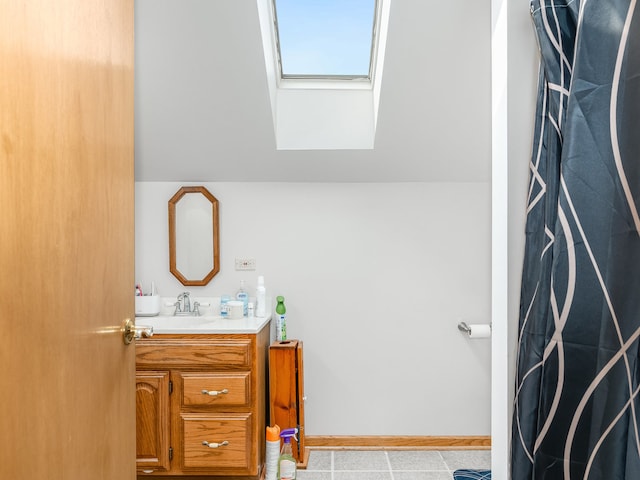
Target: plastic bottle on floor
(273, 452)
(287, 464)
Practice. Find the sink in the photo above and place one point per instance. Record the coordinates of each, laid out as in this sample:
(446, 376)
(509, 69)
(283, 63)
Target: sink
(205, 324)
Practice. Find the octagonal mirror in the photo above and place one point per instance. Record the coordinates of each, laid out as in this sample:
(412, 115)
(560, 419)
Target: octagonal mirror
(194, 251)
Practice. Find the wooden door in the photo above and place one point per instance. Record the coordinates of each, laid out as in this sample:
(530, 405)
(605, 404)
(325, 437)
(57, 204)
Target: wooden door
(67, 408)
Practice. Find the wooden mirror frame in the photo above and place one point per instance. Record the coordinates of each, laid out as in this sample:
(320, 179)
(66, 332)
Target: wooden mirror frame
(172, 236)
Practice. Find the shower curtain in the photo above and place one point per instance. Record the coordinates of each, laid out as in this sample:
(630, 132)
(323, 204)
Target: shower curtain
(577, 409)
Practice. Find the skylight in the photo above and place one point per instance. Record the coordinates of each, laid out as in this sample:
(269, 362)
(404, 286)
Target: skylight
(325, 38)
(324, 63)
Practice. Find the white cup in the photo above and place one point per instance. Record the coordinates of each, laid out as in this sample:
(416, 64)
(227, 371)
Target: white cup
(236, 309)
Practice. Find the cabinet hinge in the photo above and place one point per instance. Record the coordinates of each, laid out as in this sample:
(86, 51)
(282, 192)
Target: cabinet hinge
(170, 387)
(170, 453)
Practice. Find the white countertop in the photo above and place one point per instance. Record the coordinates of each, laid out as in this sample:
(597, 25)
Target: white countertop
(207, 324)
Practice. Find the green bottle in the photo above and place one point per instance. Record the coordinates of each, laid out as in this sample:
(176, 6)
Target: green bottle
(281, 324)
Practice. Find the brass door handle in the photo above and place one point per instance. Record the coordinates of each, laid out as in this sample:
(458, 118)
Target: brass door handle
(130, 331)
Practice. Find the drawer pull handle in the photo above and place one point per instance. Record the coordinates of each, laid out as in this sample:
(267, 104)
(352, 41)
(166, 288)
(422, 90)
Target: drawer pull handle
(214, 393)
(215, 445)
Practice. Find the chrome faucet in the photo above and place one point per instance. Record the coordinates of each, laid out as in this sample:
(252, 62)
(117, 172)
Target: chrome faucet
(186, 303)
(186, 306)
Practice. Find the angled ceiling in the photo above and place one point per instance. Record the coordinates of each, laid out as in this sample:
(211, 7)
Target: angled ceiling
(203, 111)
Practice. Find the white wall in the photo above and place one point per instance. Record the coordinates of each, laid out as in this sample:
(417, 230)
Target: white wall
(514, 65)
(376, 278)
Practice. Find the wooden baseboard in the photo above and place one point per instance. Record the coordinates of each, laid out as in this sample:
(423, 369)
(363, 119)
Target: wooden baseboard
(386, 442)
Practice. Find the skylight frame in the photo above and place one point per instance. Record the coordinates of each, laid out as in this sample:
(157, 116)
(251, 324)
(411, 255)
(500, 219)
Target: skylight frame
(308, 78)
(330, 113)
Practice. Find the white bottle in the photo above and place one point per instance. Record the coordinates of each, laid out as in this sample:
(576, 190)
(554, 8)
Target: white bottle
(243, 296)
(261, 298)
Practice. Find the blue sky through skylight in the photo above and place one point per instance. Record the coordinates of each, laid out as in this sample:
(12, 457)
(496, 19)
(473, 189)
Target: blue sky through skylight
(325, 37)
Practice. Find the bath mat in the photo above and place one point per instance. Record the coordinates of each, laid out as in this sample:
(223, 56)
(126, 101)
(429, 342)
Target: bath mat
(468, 474)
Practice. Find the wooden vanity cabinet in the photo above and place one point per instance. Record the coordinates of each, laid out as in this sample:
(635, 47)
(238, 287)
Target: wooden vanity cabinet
(201, 405)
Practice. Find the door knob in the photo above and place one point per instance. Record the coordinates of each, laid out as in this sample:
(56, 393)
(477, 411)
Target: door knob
(130, 331)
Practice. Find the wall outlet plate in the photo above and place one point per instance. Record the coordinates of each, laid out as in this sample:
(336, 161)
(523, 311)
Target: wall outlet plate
(245, 263)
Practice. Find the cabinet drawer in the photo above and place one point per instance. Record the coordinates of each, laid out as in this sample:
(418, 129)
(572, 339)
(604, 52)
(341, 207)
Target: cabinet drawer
(216, 389)
(202, 353)
(216, 429)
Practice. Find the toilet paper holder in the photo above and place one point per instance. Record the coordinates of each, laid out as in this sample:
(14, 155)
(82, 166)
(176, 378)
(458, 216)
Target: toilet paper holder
(463, 327)
(475, 331)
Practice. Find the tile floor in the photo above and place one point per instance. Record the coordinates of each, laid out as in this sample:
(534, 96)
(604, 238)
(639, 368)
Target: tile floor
(391, 464)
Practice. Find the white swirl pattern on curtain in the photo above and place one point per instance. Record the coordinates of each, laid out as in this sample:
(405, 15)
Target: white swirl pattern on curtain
(578, 369)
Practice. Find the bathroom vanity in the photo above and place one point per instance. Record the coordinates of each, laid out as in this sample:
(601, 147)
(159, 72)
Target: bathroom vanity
(201, 397)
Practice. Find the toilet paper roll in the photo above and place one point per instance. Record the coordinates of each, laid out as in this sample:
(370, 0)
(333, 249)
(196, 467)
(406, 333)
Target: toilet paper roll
(479, 331)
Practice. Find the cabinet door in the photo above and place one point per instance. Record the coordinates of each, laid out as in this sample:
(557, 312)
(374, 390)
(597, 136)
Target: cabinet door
(152, 421)
(286, 389)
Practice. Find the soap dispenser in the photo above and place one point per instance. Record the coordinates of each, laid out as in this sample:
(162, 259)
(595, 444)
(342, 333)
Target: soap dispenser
(243, 296)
